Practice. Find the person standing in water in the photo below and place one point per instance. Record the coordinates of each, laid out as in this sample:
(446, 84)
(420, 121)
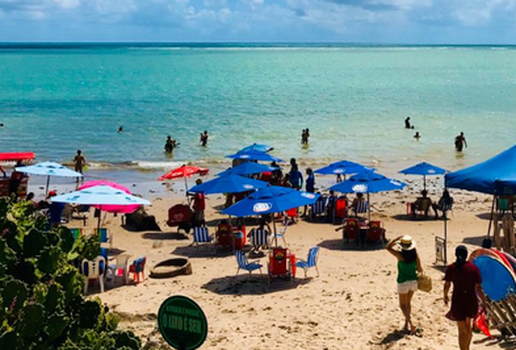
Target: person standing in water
(417, 136)
(170, 144)
(407, 124)
(79, 161)
(467, 289)
(307, 135)
(460, 142)
(204, 138)
(120, 129)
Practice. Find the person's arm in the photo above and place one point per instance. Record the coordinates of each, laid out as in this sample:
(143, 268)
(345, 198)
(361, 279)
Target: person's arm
(447, 285)
(390, 248)
(419, 267)
(465, 143)
(481, 295)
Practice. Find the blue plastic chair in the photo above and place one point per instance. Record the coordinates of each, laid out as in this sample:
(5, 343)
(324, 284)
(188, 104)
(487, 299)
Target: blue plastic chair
(311, 261)
(105, 236)
(259, 238)
(244, 264)
(201, 235)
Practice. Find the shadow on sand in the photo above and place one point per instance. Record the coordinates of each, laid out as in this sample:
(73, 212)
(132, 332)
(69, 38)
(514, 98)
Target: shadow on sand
(202, 251)
(338, 244)
(254, 284)
(165, 235)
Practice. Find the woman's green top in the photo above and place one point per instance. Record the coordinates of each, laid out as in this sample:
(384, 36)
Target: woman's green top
(407, 272)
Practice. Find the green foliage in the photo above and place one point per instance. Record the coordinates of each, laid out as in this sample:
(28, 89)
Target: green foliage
(41, 305)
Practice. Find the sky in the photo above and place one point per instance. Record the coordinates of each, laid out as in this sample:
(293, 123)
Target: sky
(351, 21)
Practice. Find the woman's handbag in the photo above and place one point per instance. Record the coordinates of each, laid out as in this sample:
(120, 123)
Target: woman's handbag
(424, 283)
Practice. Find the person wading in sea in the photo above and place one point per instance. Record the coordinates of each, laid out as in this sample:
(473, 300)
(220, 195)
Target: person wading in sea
(460, 142)
(204, 138)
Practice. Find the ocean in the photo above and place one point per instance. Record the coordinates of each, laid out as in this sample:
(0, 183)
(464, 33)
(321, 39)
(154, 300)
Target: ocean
(57, 98)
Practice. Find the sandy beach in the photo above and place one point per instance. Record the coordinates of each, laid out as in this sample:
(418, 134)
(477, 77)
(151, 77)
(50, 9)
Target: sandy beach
(352, 305)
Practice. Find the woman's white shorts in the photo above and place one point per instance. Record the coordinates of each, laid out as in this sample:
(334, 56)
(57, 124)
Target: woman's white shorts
(405, 287)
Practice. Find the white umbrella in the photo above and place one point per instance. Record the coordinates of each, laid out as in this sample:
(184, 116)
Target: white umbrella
(48, 169)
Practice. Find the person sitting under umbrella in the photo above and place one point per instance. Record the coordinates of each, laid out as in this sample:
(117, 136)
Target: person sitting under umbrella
(357, 203)
(199, 205)
(424, 203)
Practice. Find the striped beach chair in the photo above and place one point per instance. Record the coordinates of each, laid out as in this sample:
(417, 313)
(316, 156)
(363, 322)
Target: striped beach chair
(259, 238)
(201, 236)
(244, 264)
(104, 236)
(361, 208)
(311, 261)
(77, 232)
(319, 207)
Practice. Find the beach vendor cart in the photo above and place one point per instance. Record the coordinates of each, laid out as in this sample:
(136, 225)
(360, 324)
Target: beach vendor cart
(5, 181)
(271, 200)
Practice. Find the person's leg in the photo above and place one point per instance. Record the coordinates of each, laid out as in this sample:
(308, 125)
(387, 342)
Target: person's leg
(464, 335)
(413, 209)
(435, 207)
(469, 330)
(404, 310)
(410, 294)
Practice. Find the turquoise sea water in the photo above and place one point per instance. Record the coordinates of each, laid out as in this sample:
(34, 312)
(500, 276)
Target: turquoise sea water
(55, 99)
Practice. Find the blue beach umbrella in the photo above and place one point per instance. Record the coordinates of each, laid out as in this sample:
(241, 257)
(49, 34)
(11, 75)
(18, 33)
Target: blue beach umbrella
(48, 169)
(229, 184)
(100, 195)
(254, 155)
(368, 182)
(424, 169)
(344, 167)
(256, 147)
(248, 168)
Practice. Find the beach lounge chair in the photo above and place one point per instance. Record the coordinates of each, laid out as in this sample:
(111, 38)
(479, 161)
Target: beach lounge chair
(77, 232)
(259, 238)
(310, 262)
(94, 270)
(120, 269)
(244, 264)
(352, 230)
(376, 232)
(319, 207)
(202, 236)
(104, 236)
(137, 269)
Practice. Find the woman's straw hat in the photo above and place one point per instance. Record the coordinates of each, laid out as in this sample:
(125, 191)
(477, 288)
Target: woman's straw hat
(407, 243)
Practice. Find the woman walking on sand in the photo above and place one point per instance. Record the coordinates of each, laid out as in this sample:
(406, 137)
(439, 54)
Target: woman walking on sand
(466, 280)
(404, 249)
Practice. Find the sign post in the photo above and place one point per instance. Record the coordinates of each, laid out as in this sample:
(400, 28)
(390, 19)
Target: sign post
(182, 323)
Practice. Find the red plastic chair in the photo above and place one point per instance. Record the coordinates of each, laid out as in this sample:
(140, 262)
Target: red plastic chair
(292, 213)
(340, 208)
(352, 230)
(376, 232)
(137, 269)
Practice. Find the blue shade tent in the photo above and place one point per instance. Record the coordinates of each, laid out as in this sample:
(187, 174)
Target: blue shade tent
(256, 147)
(270, 200)
(248, 168)
(424, 169)
(368, 182)
(254, 155)
(497, 279)
(229, 184)
(48, 169)
(495, 176)
(100, 195)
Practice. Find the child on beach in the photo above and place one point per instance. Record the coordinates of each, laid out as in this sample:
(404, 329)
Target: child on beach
(409, 266)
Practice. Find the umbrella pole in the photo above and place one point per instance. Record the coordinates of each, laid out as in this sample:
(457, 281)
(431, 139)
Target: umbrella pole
(48, 184)
(100, 217)
(368, 207)
(492, 216)
(275, 232)
(424, 182)
(186, 186)
(445, 238)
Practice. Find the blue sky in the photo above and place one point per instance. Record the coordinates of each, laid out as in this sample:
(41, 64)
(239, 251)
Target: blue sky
(378, 21)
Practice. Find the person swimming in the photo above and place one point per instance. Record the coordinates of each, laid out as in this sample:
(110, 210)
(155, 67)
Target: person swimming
(417, 136)
(120, 129)
(204, 138)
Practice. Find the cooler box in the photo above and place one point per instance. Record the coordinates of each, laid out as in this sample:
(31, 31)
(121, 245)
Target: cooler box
(278, 262)
(340, 208)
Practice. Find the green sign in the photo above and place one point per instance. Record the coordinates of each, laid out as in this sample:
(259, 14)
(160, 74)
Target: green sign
(182, 323)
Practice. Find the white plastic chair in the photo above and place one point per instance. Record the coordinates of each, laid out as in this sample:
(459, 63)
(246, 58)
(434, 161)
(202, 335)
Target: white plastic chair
(94, 272)
(121, 265)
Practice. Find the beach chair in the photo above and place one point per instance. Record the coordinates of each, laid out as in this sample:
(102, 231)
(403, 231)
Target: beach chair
(259, 238)
(319, 207)
(244, 264)
(376, 232)
(137, 269)
(120, 269)
(77, 232)
(352, 230)
(361, 208)
(340, 209)
(104, 236)
(94, 270)
(292, 214)
(202, 236)
(310, 262)
(280, 233)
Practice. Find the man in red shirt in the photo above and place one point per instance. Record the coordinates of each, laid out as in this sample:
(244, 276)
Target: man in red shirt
(467, 288)
(199, 205)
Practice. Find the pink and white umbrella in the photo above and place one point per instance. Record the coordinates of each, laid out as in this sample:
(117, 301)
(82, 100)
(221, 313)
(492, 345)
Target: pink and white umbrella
(116, 209)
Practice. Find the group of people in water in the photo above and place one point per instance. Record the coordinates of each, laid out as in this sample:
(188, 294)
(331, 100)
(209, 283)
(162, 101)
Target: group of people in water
(460, 140)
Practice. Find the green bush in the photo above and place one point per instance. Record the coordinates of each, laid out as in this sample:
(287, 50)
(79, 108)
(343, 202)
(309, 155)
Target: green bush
(41, 305)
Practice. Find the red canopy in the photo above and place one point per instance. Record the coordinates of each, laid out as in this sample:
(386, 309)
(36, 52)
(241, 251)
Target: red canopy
(183, 171)
(16, 156)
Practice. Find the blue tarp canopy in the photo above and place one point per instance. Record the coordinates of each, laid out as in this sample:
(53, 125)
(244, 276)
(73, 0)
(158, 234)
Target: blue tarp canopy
(494, 176)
